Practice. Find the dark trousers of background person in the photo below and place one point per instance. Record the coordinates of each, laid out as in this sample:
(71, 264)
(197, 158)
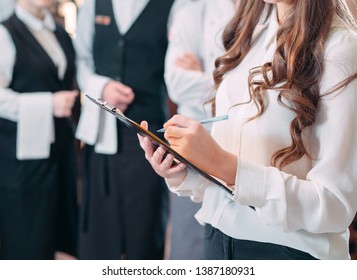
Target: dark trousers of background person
(124, 206)
(38, 206)
(219, 246)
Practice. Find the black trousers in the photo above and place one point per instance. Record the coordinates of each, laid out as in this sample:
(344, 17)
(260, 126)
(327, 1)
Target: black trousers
(219, 246)
(38, 206)
(124, 207)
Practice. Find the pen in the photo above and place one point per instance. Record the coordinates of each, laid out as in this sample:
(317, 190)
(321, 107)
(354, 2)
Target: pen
(209, 120)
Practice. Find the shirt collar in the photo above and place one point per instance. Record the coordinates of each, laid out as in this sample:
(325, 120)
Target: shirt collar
(273, 26)
(33, 22)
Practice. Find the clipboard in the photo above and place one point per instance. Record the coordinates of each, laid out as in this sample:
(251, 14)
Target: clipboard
(156, 141)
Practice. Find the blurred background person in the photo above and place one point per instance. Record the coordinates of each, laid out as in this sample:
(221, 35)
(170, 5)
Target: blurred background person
(121, 47)
(195, 42)
(37, 158)
(6, 8)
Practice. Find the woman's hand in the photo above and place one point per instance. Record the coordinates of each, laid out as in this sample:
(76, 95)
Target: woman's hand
(161, 162)
(190, 139)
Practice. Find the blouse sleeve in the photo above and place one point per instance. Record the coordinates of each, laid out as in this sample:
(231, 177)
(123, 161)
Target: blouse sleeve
(193, 186)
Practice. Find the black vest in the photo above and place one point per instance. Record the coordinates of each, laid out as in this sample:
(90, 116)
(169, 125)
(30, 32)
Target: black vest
(137, 57)
(34, 71)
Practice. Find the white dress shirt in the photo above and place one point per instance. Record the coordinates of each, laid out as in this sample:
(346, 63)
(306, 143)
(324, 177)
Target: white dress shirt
(6, 8)
(127, 11)
(96, 127)
(30, 110)
(197, 28)
(310, 203)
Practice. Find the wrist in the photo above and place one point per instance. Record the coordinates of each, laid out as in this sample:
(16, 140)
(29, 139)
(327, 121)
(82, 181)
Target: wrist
(178, 179)
(226, 167)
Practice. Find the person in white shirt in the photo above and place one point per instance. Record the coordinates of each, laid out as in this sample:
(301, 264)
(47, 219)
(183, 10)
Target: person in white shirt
(37, 155)
(6, 8)
(288, 149)
(194, 44)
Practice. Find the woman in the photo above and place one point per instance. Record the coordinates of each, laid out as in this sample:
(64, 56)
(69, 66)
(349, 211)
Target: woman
(37, 159)
(288, 83)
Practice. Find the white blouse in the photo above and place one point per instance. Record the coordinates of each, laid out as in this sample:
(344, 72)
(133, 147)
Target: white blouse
(30, 110)
(310, 203)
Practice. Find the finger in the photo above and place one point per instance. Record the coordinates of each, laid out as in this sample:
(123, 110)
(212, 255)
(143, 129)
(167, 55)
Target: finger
(176, 169)
(149, 150)
(144, 124)
(175, 132)
(186, 55)
(183, 64)
(141, 141)
(175, 125)
(191, 62)
(122, 107)
(69, 98)
(63, 113)
(71, 95)
(178, 120)
(72, 100)
(167, 161)
(68, 112)
(123, 98)
(189, 59)
(123, 89)
(174, 141)
(189, 55)
(192, 58)
(158, 155)
(74, 92)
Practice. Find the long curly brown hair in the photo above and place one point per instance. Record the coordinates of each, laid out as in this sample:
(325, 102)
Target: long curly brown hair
(298, 61)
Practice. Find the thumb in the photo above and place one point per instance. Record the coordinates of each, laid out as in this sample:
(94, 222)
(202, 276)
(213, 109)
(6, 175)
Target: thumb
(144, 124)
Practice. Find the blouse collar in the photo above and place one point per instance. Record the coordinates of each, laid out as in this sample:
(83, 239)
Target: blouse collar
(33, 22)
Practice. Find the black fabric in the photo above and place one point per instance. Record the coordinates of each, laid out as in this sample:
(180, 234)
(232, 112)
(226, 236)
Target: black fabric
(136, 58)
(219, 246)
(124, 204)
(38, 210)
